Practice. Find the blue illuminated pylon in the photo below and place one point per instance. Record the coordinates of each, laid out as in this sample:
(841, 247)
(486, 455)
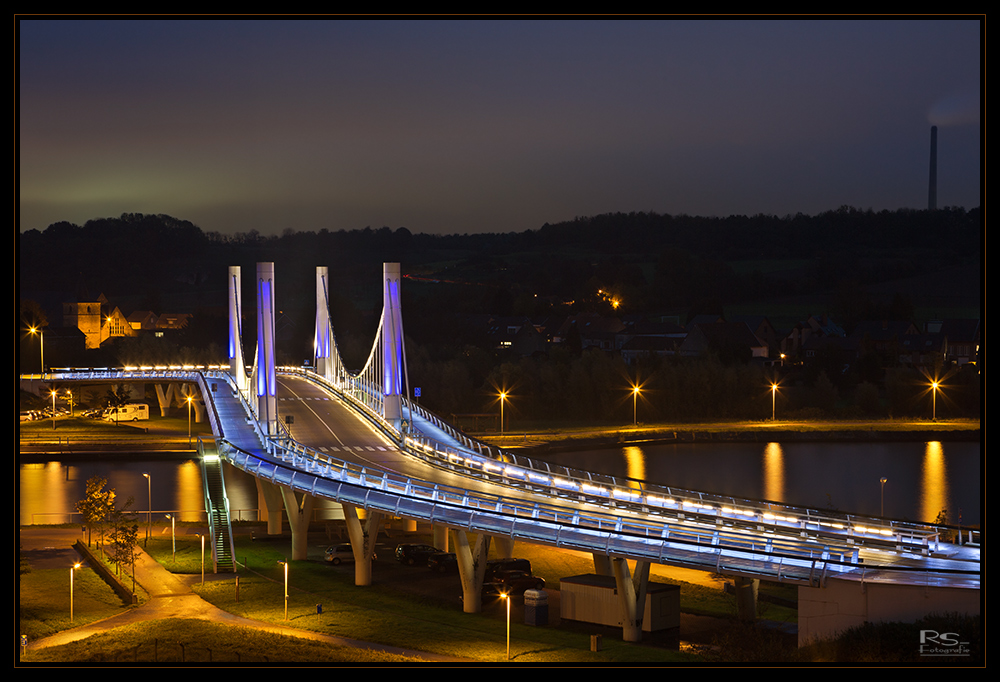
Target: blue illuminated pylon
(393, 361)
(237, 365)
(266, 398)
(323, 340)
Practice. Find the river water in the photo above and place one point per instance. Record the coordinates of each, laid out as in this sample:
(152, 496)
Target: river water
(923, 479)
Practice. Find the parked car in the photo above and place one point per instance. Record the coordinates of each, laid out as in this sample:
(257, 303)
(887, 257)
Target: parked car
(443, 562)
(513, 582)
(493, 566)
(336, 554)
(413, 554)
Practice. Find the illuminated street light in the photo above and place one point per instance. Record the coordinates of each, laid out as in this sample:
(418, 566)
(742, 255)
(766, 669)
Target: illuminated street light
(202, 558)
(71, 571)
(635, 396)
(882, 503)
(934, 390)
(506, 597)
(774, 391)
(41, 344)
(173, 538)
(285, 563)
(503, 396)
(53, 410)
(149, 504)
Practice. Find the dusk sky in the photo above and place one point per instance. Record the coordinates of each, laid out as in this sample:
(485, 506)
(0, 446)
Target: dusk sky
(446, 126)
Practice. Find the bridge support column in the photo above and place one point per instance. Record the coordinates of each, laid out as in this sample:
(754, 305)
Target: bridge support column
(441, 537)
(631, 596)
(504, 547)
(472, 569)
(746, 598)
(269, 499)
(362, 542)
(299, 512)
(602, 564)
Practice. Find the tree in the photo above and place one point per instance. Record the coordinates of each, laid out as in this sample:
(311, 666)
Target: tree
(118, 397)
(97, 506)
(124, 536)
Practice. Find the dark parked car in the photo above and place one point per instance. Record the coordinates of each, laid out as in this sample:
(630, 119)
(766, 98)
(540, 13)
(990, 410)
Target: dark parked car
(443, 562)
(413, 554)
(512, 582)
(494, 566)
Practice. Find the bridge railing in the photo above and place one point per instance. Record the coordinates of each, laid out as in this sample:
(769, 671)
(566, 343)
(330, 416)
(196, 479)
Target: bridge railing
(469, 456)
(583, 528)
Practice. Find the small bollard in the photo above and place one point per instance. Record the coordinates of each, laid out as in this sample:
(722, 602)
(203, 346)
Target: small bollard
(319, 609)
(595, 642)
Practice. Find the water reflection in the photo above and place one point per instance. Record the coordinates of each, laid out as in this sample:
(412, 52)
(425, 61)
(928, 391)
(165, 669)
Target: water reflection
(934, 478)
(635, 464)
(774, 472)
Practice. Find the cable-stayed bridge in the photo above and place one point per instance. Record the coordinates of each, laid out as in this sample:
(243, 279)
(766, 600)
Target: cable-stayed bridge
(358, 439)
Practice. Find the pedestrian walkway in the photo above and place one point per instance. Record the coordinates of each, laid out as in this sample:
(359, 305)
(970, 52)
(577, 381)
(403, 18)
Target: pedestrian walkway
(170, 596)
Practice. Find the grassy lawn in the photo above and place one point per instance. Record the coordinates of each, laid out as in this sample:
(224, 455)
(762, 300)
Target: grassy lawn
(43, 604)
(391, 616)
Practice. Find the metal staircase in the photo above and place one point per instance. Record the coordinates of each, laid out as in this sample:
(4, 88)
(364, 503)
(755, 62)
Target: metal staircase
(216, 507)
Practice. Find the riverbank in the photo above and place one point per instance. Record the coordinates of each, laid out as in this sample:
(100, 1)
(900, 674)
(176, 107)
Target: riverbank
(561, 438)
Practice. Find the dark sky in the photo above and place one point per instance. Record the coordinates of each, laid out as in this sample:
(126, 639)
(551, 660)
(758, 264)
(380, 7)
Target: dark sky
(449, 126)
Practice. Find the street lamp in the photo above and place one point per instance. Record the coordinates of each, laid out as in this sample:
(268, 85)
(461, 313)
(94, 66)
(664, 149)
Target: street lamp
(41, 344)
(71, 571)
(53, 410)
(285, 563)
(635, 396)
(881, 511)
(202, 557)
(934, 390)
(774, 391)
(173, 538)
(506, 597)
(503, 396)
(149, 504)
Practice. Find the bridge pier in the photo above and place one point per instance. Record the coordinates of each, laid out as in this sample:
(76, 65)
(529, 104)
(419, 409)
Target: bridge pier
(440, 537)
(472, 569)
(504, 547)
(631, 596)
(362, 542)
(269, 499)
(176, 396)
(746, 597)
(298, 508)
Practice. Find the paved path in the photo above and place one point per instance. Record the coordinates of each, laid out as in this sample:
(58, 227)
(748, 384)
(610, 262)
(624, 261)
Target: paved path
(170, 596)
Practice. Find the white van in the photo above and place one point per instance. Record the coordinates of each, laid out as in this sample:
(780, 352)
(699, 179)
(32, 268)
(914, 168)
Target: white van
(127, 413)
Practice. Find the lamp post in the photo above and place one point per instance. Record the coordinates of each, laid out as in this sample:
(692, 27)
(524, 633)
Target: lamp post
(881, 511)
(774, 391)
(41, 344)
(934, 390)
(506, 597)
(503, 396)
(173, 538)
(53, 410)
(202, 557)
(71, 571)
(285, 563)
(149, 504)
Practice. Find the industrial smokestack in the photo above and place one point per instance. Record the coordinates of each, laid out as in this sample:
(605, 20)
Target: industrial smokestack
(932, 186)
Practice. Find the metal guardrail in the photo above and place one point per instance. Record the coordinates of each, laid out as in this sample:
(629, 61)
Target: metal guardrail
(696, 545)
(630, 520)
